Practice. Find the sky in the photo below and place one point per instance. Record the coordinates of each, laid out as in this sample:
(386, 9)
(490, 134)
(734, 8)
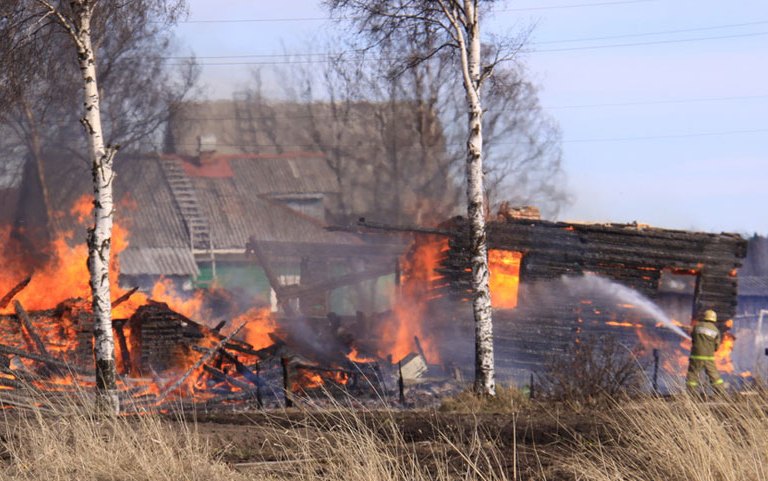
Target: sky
(662, 103)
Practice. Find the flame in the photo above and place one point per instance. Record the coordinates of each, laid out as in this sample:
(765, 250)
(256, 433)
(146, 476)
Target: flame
(191, 307)
(82, 209)
(259, 325)
(622, 324)
(354, 356)
(505, 277)
(674, 358)
(419, 273)
(65, 274)
(723, 355)
(306, 379)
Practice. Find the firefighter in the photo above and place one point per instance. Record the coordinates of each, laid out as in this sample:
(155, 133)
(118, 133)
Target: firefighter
(705, 338)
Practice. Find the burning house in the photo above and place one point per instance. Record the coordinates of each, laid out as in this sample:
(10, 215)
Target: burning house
(187, 220)
(554, 284)
(249, 230)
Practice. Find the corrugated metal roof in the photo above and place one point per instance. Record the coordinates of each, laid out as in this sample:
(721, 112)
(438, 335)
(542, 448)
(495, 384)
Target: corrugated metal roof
(266, 174)
(236, 213)
(235, 207)
(166, 261)
(146, 206)
(299, 174)
(144, 203)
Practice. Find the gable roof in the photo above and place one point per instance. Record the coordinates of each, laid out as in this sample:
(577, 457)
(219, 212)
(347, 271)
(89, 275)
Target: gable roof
(233, 193)
(236, 213)
(267, 174)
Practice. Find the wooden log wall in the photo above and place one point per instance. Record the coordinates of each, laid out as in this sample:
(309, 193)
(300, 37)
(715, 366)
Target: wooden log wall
(634, 256)
(161, 338)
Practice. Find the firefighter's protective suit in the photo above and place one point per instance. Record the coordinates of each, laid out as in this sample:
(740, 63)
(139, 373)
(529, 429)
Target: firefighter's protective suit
(705, 341)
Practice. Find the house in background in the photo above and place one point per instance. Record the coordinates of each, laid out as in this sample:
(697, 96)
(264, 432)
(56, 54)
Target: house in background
(387, 161)
(190, 218)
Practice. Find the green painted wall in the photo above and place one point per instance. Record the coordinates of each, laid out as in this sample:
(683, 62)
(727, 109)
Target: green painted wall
(252, 281)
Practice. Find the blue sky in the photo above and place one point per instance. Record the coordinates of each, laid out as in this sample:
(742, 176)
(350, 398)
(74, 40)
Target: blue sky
(671, 132)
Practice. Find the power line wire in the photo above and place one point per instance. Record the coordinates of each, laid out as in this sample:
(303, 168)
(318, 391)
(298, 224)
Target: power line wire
(659, 102)
(665, 136)
(547, 42)
(564, 49)
(654, 42)
(659, 32)
(321, 19)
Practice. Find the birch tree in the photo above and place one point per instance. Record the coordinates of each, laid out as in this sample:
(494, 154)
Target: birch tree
(40, 93)
(456, 26)
(74, 19)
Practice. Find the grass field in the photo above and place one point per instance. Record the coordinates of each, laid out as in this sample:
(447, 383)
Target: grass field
(641, 439)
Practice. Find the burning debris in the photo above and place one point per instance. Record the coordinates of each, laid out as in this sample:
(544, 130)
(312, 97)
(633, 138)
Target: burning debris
(552, 284)
(165, 357)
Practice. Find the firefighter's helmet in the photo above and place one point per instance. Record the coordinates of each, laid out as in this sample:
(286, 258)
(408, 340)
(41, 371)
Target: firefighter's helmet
(709, 315)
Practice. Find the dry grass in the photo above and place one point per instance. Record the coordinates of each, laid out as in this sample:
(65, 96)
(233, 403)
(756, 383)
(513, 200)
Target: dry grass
(680, 440)
(341, 444)
(651, 439)
(78, 445)
(508, 399)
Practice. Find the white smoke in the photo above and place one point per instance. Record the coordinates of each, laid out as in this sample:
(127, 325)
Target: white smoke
(590, 285)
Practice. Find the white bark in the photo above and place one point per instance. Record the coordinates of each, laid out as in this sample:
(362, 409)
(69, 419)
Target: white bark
(468, 39)
(100, 235)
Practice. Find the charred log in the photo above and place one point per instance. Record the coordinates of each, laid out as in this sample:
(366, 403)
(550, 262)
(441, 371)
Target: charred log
(6, 299)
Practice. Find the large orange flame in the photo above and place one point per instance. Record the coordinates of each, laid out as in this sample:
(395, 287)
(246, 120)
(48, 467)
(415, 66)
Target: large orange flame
(259, 325)
(419, 273)
(505, 277)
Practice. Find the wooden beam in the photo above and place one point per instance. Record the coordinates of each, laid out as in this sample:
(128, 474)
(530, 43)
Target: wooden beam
(222, 376)
(15, 290)
(280, 291)
(169, 388)
(124, 297)
(50, 361)
(341, 281)
(27, 325)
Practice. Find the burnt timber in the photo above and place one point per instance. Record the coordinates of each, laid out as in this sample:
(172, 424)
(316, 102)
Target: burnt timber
(633, 255)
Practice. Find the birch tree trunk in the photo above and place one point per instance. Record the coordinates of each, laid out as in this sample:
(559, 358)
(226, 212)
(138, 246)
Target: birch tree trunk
(481, 301)
(100, 235)
(459, 21)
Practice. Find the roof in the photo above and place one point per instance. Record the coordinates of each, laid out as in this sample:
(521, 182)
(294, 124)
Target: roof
(236, 205)
(266, 174)
(236, 213)
(389, 160)
(166, 261)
